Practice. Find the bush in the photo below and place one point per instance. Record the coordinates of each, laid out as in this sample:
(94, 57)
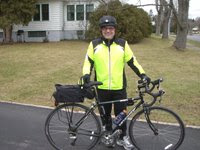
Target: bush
(133, 23)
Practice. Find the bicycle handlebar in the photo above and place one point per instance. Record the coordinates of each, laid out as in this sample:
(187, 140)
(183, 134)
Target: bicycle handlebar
(92, 83)
(142, 84)
(147, 89)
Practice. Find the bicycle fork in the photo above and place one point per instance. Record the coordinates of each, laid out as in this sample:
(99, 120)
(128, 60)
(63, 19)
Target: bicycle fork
(151, 125)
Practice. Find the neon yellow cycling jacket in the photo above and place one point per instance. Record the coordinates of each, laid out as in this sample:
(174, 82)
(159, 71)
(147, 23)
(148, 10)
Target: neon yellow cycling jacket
(108, 60)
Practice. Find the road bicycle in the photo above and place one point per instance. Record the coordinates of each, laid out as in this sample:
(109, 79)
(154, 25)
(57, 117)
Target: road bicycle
(75, 126)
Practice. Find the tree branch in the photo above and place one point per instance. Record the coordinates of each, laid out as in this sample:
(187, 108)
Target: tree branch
(102, 1)
(150, 5)
(175, 14)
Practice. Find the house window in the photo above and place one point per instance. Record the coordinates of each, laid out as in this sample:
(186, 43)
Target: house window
(36, 33)
(70, 12)
(89, 10)
(42, 12)
(37, 15)
(79, 12)
(80, 34)
(45, 12)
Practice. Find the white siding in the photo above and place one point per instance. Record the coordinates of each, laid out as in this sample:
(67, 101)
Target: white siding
(57, 27)
(76, 25)
(55, 19)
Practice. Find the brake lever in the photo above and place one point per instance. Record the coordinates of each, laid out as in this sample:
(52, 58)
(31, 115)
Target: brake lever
(160, 99)
(158, 86)
(163, 92)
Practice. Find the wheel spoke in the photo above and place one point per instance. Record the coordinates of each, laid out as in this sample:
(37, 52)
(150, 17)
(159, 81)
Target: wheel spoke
(168, 135)
(61, 131)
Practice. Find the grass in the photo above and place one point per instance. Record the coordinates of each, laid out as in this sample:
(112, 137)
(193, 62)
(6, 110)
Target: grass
(194, 43)
(29, 71)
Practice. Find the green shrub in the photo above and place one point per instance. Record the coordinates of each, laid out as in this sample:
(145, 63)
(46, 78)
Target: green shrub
(133, 24)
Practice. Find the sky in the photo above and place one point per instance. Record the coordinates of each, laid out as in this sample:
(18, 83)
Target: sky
(194, 8)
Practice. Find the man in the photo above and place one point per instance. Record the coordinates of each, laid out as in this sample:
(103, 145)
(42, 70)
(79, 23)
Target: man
(108, 55)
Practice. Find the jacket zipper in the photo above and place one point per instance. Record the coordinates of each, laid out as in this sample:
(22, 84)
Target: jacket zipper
(109, 66)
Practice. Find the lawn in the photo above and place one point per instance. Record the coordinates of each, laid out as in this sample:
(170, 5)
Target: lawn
(29, 71)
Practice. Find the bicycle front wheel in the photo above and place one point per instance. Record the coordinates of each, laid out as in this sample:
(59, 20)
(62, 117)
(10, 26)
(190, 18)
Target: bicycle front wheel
(164, 131)
(68, 127)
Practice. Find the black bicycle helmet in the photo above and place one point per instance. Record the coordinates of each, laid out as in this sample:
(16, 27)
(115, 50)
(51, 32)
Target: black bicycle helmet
(107, 21)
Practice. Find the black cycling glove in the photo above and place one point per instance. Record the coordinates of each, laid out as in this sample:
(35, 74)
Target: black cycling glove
(144, 77)
(86, 78)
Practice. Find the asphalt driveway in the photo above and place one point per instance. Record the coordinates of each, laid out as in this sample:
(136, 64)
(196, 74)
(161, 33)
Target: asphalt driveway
(22, 128)
(194, 37)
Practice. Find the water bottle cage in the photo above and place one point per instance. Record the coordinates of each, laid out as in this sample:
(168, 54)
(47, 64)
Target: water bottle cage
(119, 118)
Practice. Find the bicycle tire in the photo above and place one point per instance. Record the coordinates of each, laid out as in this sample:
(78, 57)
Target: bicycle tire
(170, 135)
(61, 137)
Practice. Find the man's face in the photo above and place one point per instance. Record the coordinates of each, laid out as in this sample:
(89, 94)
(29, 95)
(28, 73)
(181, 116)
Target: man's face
(108, 32)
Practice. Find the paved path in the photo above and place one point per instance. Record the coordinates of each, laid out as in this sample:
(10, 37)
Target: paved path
(195, 37)
(22, 128)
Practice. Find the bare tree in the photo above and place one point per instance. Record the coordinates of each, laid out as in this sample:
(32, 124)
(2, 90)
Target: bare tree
(198, 22)
(191, 24)
(182, 23)
(159, 8)
(166, 20)
(181, 16)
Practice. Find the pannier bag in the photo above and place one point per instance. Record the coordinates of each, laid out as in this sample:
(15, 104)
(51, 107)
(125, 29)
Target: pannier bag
(68, 93)
(89, 92)
(72, 93)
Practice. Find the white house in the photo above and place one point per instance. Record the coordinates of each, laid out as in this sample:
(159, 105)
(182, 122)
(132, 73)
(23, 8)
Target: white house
(56, 20)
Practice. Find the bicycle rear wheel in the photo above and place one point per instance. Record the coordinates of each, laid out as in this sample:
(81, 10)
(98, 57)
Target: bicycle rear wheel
(167, 136)
(61, 132)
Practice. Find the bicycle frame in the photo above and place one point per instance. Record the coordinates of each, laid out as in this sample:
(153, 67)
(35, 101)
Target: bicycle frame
(123, 100)
(97, 103)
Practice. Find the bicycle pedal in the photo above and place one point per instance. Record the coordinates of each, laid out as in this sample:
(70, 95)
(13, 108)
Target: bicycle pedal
(111, 146)
(73, 137)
